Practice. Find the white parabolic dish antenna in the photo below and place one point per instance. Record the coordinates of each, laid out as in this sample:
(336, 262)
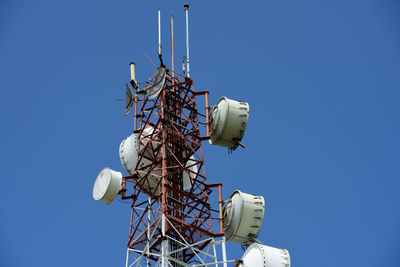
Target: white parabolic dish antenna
(128, 152)
(228, 122)
(258, 255)
(243, 217)
(107, 185)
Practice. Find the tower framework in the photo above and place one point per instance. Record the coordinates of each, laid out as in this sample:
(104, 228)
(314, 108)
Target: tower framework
(172, 220)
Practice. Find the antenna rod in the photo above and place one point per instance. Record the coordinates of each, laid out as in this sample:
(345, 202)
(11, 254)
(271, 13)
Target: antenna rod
(186, 6)
(159, 38)
(132, 65)
(133, 81)
(172, 45)
(159, 33)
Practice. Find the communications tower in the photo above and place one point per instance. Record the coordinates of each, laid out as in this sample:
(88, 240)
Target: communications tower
(174, 221)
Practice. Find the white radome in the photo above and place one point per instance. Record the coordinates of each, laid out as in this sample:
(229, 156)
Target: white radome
(128, 152)
(243, 217)
(258, 255)
(107, 185)
(228, 122)
(187, 178)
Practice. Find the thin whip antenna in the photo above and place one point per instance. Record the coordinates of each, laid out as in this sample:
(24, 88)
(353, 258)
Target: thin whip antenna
(172, 45)
(159, 38)
(159, 33)
(186, 6)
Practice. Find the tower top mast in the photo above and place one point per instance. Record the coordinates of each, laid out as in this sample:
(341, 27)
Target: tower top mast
(186, 6)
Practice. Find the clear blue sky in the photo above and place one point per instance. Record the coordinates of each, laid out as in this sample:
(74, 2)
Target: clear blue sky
(322, 79)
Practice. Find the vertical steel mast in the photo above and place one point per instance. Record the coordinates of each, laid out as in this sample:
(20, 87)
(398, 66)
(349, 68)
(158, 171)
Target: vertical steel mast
(187, 40)
(173, 222)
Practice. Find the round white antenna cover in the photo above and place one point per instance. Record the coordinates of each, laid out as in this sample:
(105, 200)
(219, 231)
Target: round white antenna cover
(243, 217)
(228, 122)
(128, 150)
(128, 153)
(187, 179)
(258, 255)
(107, 185)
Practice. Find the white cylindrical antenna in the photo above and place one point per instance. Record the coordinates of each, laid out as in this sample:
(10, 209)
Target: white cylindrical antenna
(172, 45)
(133, 77)
(159, 33)
(187, 40)
(133, 81)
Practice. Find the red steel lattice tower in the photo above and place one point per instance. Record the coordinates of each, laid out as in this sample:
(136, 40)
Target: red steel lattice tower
(174, 221)
(171, 222)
